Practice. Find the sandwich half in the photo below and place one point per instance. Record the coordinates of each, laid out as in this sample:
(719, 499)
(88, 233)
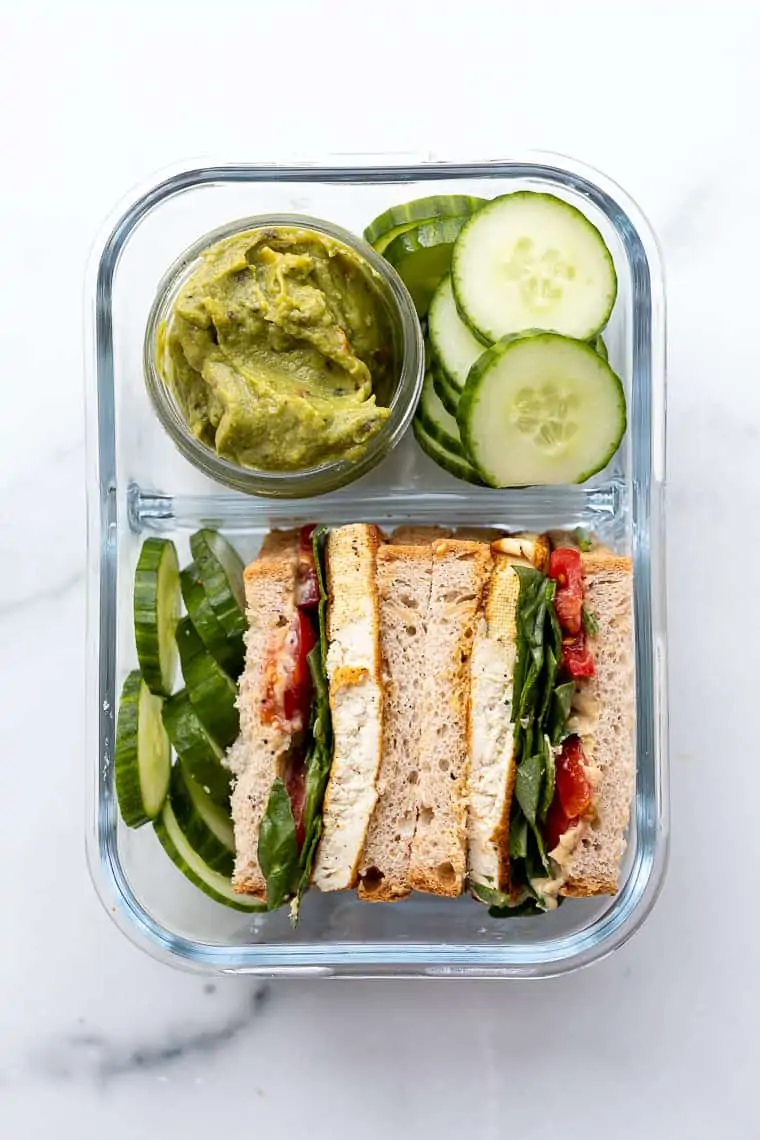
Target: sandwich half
(559, 654)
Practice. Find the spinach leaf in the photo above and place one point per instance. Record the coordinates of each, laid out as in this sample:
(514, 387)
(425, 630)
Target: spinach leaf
(583, 538)
(590, 624)
(490, 895)
(518, 836)
(501, 905)
(536, 861)
(528, 784)
(277, 847)
(551, 777)
(319, 759)
(562, 698)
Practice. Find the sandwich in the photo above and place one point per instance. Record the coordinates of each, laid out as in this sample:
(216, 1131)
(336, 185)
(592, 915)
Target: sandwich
(434, 711)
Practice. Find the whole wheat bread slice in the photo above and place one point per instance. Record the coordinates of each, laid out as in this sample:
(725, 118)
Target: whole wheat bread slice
(439, 848)
(259, 754)
(404, 575)
(594, 865)
(353, 669)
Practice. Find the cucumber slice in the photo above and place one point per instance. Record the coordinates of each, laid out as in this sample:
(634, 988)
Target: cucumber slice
(454, 464)
(194, 867)
(541, 409)
(381, 232)
(142, 756)
(437, 422)
(532, 261)
(229, 652)
(206, 826)
(212, 692)
(422, 256)
(456, 348)
(446, 393)
(220, 569)
(197, 750)
(156, 611)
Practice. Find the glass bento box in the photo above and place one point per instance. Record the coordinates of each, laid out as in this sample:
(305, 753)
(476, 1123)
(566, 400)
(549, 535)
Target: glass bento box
(139, 484)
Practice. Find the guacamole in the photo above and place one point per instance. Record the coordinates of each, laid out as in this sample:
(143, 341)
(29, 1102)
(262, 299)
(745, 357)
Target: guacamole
(276, 349)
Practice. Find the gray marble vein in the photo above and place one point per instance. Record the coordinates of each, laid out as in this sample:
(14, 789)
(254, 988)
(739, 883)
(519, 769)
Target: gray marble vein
(95, 1057)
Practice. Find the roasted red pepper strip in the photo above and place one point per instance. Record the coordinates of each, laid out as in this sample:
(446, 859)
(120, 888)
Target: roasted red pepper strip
(566, 568)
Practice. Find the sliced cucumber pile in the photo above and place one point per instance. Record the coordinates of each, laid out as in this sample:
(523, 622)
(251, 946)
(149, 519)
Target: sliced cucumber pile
(541, 408)
(142, 756)
(515, 295)
(188, 802)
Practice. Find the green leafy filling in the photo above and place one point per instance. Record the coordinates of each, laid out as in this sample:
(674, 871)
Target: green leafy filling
(286, 869)
(541, 706)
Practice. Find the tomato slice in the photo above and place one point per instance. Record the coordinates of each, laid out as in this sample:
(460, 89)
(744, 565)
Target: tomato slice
(566, 568)
(577, 658)
(573, 788)
(556, 824)
(296, 698)
(306, 536)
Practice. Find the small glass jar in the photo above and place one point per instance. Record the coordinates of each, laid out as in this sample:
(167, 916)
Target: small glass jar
(408, 367)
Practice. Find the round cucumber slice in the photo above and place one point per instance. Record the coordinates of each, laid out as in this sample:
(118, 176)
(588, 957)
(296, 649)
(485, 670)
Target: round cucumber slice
(197, 750)
(206, 826)
(531, 261)
(456, 347)
(437, 422)
(446, 393)
(229, 652)
(422, 256)
(156, 612)
(220, 569)
(195, 868)
(541, 409)
(454, 464)
(390, 224)
(142, 755)
(212, 692)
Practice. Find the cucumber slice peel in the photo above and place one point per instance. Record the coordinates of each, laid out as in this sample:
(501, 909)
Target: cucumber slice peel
(197, 750)
(220, 570)
(422, 257)
(456, 348)
(206, 826)
(229, 652)
(541, 409)
(142, 755)
(437, 421)
(399, 219)
(195, 868)
(156, 611)
(211, 690)
(453, 464)
(446, 393)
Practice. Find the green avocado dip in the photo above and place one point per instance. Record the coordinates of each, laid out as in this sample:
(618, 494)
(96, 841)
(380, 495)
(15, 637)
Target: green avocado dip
(276, 348)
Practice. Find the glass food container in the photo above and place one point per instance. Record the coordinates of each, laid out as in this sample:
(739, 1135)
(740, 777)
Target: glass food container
(140, 484)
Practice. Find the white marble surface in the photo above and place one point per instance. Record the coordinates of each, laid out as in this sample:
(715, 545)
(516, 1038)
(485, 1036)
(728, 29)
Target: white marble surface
(97, 1039)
